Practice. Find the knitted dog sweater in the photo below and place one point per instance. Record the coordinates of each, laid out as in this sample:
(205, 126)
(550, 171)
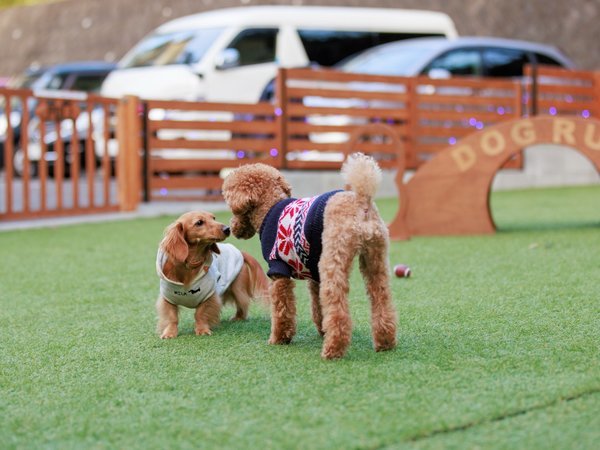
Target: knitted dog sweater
(290, 236)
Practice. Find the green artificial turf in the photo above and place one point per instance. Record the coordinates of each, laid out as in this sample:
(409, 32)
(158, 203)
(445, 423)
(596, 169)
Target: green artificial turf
(498, 345)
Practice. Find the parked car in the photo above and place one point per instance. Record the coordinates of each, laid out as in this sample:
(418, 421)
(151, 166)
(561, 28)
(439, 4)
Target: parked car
(444, 58)
(230, 54)
(462, 56)
(432, 57)
(82, 76)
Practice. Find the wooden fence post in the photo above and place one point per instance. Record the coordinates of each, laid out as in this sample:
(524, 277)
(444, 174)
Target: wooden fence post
(281, 104)
(596, 108)
(129, 184)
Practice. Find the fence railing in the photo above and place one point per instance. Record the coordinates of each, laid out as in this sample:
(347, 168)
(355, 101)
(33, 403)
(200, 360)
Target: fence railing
(174, 150)
(55, 154)
(188, 144)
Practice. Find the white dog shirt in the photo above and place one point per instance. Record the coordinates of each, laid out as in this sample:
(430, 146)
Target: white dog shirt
(217, 274)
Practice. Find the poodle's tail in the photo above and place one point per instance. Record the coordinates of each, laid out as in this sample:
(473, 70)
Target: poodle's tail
(362, 176)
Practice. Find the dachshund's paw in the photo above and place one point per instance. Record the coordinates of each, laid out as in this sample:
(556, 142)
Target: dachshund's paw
(168, 335)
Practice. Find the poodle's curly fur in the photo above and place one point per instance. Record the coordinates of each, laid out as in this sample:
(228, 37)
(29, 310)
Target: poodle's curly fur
(351, 225)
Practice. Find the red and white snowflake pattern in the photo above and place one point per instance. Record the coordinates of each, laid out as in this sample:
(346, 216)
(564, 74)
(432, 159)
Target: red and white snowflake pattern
(291, 245)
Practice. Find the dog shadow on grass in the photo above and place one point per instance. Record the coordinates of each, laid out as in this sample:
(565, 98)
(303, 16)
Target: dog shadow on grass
(423, 347)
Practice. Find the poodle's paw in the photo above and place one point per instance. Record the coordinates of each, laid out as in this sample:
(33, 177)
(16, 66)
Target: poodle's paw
(203, 331)
(279, 340)
(382, 344)
(331, 352)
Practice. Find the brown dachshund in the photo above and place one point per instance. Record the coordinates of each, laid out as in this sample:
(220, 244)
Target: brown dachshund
(198, 273)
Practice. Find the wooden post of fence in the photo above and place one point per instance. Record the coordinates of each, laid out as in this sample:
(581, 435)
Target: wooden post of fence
(281, 103)
(596, 108)
(410, 144)
(128, 159)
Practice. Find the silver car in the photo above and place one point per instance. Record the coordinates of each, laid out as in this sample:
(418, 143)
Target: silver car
(462, 56)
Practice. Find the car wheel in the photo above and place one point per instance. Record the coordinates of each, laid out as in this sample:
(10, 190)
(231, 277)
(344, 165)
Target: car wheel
(19, 165)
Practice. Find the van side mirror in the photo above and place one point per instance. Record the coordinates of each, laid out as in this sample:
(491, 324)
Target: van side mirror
(227, 59)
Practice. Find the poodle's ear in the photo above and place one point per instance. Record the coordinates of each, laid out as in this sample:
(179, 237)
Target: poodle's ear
(285, 186)
(215, 249)
(174, 244)
(239, 202)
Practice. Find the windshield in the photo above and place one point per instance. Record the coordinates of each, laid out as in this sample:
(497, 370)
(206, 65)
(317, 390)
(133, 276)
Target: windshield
(182, 47)
(396, 60)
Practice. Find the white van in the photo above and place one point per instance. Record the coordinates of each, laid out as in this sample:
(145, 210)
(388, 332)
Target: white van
(231, 54)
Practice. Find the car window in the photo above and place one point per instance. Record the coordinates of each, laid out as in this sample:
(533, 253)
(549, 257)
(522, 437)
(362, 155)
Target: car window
(546, 60)
(504, 62)
(384, 61)
(256, 45)
(88, 82)
(182, 47)
(328, 47)
(56, 81)
(464, 61)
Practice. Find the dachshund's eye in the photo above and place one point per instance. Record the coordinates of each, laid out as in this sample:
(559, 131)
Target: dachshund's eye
(199, 223)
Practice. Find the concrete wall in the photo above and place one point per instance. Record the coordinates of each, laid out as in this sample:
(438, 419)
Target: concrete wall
(105, 29)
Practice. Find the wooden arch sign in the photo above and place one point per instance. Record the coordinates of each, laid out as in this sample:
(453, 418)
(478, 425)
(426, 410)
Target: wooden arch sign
(450, 195)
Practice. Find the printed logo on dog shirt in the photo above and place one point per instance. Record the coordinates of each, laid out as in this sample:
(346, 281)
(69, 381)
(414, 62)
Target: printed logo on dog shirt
(291, 244)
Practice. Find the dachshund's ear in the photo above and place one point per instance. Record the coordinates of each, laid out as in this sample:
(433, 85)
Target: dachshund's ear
(215, 249)
(174, 244)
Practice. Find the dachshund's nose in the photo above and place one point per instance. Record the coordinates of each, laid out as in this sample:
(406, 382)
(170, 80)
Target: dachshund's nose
(227, 231)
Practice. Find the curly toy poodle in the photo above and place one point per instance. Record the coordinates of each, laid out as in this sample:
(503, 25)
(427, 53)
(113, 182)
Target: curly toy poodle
(317, 239)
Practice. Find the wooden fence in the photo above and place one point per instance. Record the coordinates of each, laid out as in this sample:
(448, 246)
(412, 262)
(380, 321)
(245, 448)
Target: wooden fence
(189, 144)
(56, 158)
(174, 150)
(555, 91)
(323, 108)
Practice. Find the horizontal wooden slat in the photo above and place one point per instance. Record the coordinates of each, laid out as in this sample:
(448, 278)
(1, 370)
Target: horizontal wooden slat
(545, 89)
(423, 130)
(181, 165)
(461, 115)
(505, 102)
(347, 94)
(254, 108)
(170, 197)
(236, 126)
(565, 106)
(295, 110)
(305, 128)
(232, 144)
(336, 76)
(554, 71)
(199, 182)
(315, 165)
(16, 92)
(461, 82)
(47, 213)
(301, 145)
(329, 165)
